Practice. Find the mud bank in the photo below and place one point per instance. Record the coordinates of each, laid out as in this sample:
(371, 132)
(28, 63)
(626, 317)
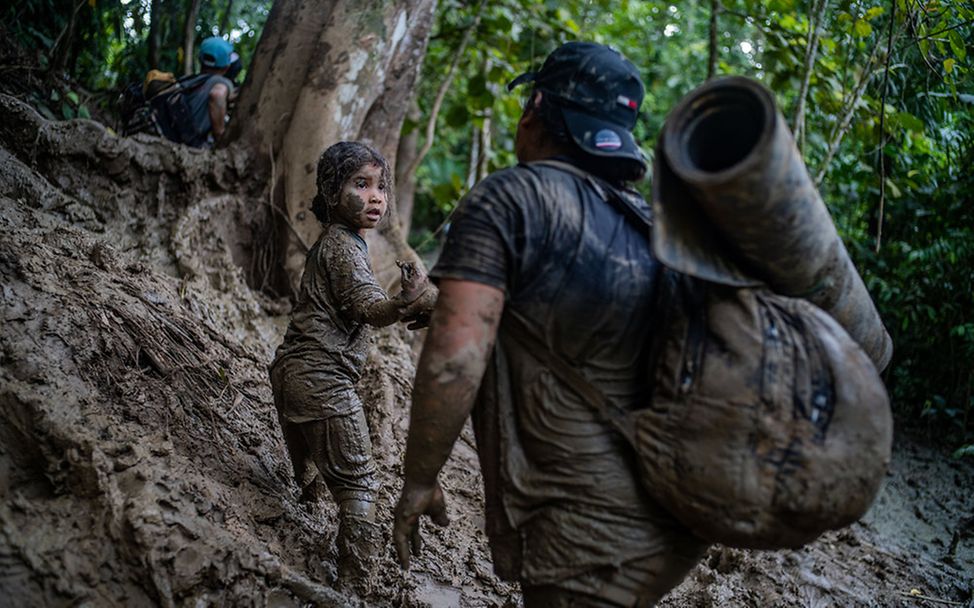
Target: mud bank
(141, 461)
(140, 458)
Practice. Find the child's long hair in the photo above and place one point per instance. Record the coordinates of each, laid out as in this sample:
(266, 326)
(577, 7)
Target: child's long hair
(337, 164)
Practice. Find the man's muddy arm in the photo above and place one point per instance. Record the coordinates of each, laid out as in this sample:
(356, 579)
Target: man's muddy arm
(461, 337)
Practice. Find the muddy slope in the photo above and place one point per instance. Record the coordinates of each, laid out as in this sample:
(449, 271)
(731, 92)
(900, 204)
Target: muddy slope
(140, 459)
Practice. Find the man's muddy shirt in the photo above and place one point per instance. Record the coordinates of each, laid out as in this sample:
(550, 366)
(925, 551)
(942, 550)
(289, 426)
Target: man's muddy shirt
(327, 343)
(583, 277)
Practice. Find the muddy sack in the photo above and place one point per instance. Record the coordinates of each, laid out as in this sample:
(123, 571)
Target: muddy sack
(768, 424)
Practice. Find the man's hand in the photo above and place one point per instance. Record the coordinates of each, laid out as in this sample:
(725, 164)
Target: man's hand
(416, 500)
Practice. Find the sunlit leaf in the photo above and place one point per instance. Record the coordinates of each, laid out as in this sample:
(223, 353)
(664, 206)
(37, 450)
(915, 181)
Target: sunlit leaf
(967, 450)
(862, 28)
(893, 190)
(957, 44)
(949, 65)
(909, 121)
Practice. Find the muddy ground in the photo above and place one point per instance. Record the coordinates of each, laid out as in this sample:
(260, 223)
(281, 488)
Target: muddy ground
(141, 462)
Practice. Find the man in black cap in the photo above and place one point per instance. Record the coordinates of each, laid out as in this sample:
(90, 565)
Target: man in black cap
(550, 261)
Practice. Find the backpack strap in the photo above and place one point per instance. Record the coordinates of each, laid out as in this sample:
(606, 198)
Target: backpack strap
(612, 194)
(525, 336)
(194, 81)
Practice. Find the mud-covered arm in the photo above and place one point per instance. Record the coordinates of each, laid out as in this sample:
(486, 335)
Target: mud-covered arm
(462, 332)
(360, 296)
(379, 313)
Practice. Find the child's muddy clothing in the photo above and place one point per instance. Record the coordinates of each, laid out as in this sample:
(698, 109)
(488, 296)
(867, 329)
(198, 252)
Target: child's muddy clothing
(320, 361)
(327, 341)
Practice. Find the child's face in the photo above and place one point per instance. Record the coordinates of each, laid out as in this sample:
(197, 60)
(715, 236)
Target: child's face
(363, 199)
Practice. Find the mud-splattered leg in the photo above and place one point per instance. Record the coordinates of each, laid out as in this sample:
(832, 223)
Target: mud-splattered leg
(342, 451)
(305, 475)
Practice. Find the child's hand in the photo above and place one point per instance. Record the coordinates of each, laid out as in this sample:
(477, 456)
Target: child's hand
(418, 313)
(414, 281)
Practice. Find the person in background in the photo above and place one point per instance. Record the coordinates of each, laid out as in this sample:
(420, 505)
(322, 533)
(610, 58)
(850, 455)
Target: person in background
(208, 103)
(236, 66)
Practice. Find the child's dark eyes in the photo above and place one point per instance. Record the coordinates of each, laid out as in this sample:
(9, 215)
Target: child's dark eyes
(360, 183)
(382, 185)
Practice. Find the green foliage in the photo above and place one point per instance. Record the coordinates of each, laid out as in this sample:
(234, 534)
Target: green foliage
(887, 121)
(904, 137)
(109, 46)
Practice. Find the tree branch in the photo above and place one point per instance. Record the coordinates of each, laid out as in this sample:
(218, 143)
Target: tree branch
(846, 121)
(62, 46)
(758, 21)
(815, 21)
(441, 93)
(712, 56)
(882, 133)
(189, 36)
(946, 29)
(225, 19)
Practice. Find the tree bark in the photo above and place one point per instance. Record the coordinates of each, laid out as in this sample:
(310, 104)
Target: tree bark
(322, 75)
(406, 182)
(189, 36)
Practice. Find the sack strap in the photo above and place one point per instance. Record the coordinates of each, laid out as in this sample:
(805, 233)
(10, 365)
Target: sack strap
(525, 336)
(608, 192)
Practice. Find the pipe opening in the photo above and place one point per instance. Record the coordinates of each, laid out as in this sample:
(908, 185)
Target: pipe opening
(724, 129)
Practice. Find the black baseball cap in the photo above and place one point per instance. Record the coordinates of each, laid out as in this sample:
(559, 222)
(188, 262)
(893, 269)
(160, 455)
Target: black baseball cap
(598, 91)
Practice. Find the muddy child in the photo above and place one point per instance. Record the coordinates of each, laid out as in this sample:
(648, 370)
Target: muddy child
(328, 340)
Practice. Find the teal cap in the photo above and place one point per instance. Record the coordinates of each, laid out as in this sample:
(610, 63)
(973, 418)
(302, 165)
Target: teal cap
(215, 52)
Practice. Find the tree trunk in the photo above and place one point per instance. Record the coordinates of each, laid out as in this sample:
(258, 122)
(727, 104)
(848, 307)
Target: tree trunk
(189, 36)
(155, 22)
(225, 19)
(346, 73)
(406, 181)
(713, 44)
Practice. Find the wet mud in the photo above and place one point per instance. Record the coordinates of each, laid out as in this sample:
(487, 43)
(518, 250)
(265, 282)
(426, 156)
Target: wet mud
(141, 462)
